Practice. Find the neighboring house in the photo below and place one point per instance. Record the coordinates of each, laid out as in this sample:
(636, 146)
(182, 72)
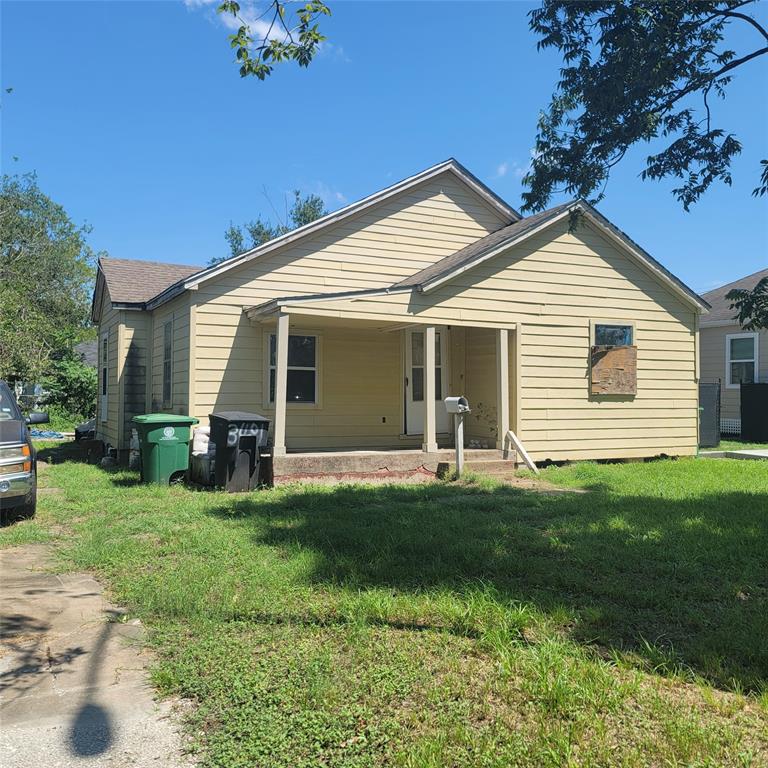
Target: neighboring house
(341, 330)
(730, 354)
(88, 352)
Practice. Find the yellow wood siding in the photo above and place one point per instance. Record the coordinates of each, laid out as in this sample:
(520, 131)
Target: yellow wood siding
(554, 284)
(713, 365)
(380, 246)
(177, 312)
(109, 324)
(480, 387)
(133, 369)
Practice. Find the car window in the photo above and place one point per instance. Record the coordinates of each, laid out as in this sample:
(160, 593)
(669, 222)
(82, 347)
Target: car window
(8, 409)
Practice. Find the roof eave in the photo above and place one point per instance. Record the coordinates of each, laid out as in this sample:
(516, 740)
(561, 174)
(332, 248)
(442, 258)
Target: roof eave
(274, 305)
(610, 230)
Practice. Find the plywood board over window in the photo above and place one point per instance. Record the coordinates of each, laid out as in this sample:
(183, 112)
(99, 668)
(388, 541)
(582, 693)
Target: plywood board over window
(614, 370)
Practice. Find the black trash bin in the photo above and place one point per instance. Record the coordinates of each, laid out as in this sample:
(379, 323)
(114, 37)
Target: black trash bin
(238, 437)
(754, 412)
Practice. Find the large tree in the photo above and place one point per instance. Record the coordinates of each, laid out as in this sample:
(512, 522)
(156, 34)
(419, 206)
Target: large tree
(638, 72)
(46, 277)
(304, 209)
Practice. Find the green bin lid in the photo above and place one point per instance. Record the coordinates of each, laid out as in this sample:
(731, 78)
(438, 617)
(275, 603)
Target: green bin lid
(164, 418)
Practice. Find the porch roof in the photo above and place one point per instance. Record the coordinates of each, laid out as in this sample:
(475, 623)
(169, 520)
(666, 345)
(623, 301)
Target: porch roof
(386, 308)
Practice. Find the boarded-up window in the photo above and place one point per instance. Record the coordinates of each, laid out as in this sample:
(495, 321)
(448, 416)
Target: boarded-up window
(167, 364)
(613, 370)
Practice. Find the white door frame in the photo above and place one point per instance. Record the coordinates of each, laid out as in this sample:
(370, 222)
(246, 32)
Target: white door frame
(413, 412)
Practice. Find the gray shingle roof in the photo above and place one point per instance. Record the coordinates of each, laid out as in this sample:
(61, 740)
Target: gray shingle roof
(134, 281)
(721, 308)
(88, 351)
(486, 245)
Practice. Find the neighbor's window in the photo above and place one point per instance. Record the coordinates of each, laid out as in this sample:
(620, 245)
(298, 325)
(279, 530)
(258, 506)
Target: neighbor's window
(167, 367)
(302, 368)
(613, 335)
(740, 359)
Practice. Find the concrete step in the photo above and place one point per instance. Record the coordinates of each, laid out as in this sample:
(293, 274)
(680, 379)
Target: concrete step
(496, 467)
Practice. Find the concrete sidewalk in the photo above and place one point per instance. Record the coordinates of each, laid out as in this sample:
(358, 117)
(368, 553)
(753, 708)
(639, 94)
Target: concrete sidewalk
(73, 680)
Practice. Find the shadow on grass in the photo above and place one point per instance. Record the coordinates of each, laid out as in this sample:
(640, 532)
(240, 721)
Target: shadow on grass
(63, 452)
(681, 583)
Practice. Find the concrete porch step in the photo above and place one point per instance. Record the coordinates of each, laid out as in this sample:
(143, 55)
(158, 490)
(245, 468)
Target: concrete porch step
(496, 467)
(380, 464)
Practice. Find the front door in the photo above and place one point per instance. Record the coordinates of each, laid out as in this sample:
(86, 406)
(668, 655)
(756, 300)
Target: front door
(414, 382)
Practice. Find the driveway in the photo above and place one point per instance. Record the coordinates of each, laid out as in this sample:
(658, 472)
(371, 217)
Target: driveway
(73, 680)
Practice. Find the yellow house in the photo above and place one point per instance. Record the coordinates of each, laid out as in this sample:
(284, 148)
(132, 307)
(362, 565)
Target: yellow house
(342, 330)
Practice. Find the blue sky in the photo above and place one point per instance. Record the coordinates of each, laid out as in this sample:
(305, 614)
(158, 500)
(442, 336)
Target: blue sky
(135, 119)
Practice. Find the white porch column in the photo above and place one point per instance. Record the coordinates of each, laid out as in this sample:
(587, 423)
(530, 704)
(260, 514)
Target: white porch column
(430, 437)
(502, 385)
(281, 382)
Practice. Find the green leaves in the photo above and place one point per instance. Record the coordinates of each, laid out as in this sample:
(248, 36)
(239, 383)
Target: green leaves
(305, 209)
(285, 39)
(635, 72)
(46, 275)
(752, 305)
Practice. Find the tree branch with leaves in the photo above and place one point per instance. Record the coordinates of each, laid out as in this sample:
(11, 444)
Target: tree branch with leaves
(277, 35)
(637, 72)
(752, 305)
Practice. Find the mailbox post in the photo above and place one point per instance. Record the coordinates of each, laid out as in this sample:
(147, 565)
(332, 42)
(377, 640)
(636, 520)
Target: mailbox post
(459, 407)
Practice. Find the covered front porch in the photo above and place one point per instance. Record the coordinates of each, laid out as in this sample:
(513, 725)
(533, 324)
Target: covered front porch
(364, 396)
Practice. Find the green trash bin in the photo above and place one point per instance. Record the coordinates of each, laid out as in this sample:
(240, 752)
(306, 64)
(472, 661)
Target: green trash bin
(164, 446)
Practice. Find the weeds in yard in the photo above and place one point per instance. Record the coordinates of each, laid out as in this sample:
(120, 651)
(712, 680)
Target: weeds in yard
(433, 625)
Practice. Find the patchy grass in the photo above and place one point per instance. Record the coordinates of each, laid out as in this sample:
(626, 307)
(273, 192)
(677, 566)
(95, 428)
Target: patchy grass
(447, 624)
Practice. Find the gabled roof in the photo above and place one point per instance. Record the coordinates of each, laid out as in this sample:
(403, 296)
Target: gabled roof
(456, 262)
(489, 246)
(134, 281)
(491, 199)
(721, 312)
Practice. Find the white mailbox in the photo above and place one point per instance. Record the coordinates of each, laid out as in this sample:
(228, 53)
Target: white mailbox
(457, 405)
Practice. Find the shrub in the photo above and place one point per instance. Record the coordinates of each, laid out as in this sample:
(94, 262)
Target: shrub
(71, 388)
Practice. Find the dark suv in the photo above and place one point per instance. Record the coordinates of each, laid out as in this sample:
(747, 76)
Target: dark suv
(18, 462)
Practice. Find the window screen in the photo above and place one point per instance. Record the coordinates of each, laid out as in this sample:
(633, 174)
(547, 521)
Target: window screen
(613, 335)
(302, 368)
(167, 366)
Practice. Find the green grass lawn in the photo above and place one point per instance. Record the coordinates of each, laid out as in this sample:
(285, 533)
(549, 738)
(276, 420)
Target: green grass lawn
(443, 624)
(739, 445)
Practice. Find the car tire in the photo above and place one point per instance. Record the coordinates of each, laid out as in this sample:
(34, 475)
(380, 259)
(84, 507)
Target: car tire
(27, 510)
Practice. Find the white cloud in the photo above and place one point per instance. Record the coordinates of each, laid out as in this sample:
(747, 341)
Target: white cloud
(331, 197)
(515, 167)
(254, 15)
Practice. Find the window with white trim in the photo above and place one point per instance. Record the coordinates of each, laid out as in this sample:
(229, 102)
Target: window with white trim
(104, 373)
(302, 368)
(741, 359)
(168, 364)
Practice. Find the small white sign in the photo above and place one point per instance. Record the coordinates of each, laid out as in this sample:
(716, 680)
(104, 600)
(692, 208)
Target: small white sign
(169, 432)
